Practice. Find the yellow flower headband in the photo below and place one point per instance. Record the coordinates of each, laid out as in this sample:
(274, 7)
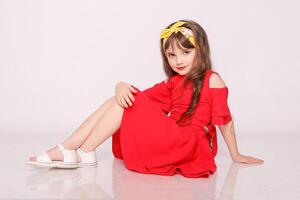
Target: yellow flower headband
(166, 33)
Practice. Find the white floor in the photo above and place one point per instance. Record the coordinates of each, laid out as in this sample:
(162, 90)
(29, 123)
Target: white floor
(278, 178)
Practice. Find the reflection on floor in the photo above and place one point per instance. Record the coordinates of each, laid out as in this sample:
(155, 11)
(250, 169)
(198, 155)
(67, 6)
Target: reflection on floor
(277, 178)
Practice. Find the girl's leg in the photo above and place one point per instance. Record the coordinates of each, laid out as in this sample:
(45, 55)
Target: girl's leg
(107, 125)
(75, 140)
(81, 133)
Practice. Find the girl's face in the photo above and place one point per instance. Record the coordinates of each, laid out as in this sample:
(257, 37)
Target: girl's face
(180, 59)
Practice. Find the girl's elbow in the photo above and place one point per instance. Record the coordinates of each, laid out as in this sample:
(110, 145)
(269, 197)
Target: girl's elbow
(226, 126)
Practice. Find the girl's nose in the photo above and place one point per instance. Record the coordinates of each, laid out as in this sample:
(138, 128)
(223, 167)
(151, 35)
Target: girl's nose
(179, 61)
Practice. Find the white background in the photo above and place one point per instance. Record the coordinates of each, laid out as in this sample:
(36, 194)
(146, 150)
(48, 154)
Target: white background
(60, 60)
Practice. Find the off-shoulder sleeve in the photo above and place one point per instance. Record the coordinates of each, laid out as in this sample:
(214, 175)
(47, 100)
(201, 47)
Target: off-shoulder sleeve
(160, 93)
(220, 113)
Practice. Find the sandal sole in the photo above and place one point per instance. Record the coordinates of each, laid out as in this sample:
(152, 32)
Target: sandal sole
(87, 164)
(53, 164)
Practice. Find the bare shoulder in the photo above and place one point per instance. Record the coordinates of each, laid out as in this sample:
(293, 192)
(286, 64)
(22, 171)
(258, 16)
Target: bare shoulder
(215, 81)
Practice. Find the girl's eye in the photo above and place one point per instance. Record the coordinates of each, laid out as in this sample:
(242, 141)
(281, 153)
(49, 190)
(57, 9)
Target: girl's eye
(170, 55)
(186, 52)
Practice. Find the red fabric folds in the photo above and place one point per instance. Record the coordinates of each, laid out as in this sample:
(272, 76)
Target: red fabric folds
(151, 142)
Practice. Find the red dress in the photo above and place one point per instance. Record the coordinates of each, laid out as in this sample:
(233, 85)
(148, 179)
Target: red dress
(151, 142)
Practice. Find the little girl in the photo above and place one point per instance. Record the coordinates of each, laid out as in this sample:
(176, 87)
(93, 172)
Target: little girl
(166, 129)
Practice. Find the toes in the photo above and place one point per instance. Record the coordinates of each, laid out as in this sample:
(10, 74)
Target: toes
(32, 158)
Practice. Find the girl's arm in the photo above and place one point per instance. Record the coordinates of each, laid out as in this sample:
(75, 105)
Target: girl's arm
(228, 134)
(227, 130)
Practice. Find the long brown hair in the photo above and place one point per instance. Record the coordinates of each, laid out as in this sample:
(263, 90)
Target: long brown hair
(202, 61)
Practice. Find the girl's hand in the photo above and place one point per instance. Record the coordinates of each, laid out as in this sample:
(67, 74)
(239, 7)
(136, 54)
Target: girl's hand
(246, 159)
(124, 94)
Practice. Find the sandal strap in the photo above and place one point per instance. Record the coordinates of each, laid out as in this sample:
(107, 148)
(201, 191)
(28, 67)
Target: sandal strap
(87, 157)
(43, 157)
(69, 155)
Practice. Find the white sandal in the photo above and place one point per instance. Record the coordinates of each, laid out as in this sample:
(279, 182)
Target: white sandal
(69, 161)
(87, 158)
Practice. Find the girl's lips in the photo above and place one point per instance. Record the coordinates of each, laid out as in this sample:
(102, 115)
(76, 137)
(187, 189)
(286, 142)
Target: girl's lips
(180, 67)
